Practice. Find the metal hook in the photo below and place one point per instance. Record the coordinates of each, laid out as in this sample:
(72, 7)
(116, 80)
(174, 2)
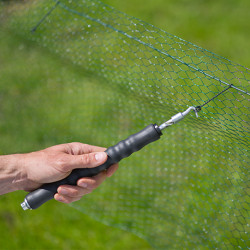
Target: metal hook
(178, 117)
(189, 109)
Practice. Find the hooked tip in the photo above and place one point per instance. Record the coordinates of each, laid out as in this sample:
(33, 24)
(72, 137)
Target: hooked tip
(195, 109)
(178, 117)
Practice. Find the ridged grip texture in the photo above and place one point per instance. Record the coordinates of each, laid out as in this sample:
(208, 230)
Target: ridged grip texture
(115, 153)
(134, 143)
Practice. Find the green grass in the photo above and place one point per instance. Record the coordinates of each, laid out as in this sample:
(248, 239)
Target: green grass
(58, 226)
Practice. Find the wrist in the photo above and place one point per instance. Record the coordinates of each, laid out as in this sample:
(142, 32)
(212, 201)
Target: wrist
(12, 176)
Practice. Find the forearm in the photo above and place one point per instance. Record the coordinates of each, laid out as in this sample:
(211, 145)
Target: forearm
(11, 175)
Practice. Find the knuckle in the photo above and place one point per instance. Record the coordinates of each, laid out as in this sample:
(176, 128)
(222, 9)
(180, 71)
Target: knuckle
(93, 185)
(67, 201)
(87, 159)
(76, 148)
(68, 148)
(74, 193)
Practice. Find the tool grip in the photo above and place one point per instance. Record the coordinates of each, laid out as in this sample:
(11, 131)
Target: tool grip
(115, 153)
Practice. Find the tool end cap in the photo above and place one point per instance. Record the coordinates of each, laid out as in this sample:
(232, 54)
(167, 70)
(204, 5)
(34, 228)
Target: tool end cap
(25, 205)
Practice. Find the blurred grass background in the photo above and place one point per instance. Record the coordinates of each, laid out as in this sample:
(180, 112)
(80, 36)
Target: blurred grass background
(29, 85)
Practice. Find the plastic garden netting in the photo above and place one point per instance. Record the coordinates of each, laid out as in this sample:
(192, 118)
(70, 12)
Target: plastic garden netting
(188, 190)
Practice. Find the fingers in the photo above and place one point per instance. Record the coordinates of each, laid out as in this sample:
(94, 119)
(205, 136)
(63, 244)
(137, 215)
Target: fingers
(68, 194)
(111, 170)
(80, 148)
(70, 162)
(77, 148)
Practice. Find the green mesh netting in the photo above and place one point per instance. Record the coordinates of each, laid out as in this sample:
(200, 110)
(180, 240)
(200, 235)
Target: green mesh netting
(188, 190)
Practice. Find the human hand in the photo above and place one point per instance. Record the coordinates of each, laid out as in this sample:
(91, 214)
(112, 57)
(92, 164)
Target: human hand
(57, 162)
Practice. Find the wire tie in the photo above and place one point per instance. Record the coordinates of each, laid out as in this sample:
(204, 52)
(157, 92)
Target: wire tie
(198, 108)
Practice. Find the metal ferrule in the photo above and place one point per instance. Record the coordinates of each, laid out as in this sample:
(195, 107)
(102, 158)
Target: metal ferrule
(25, 205)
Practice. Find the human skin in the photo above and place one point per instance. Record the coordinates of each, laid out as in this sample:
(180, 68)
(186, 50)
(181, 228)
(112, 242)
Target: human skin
(31, 170)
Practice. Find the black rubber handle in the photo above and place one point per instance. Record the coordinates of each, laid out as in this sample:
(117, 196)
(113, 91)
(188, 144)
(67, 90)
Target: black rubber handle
(116, 153)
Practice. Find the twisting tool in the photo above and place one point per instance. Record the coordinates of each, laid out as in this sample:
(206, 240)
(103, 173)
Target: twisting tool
(115, 154)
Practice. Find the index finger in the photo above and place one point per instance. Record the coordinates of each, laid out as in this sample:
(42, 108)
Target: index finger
(81, 148)
(77, 148)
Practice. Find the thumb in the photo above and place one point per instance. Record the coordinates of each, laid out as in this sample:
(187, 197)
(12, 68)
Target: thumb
(90, 160)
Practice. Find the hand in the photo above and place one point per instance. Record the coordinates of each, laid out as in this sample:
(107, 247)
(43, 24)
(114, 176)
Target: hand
(57, 162)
